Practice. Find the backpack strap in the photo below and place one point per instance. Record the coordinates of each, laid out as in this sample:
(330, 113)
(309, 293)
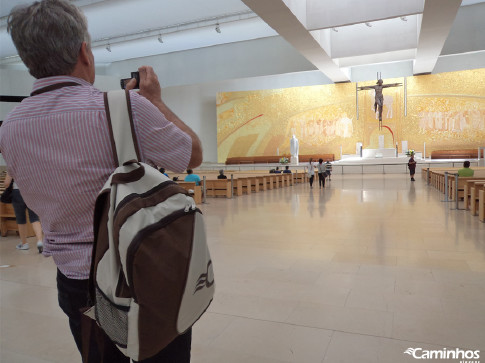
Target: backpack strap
(121, 127)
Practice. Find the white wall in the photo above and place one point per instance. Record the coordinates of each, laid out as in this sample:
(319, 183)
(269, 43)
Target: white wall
(466, 34)
(267, 56)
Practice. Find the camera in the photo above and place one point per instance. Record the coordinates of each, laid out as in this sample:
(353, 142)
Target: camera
(135, 75)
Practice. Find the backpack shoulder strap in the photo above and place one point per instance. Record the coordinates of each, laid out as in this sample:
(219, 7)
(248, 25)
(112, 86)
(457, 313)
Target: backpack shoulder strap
(121, 127)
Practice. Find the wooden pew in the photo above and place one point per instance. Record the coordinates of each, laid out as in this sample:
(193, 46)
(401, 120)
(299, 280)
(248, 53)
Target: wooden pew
(218, 187)
(245, 184)
(467, 191)
(474, 197)
(253, 183)
(479, 175)
(481, 205)
(8, 222)
(197, 190)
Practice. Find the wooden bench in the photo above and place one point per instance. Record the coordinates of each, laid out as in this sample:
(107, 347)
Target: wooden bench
(479, 174)
(481, 205)
(455, 154)
(196, 190)
(467, 191)
(245, 185)
(8, 222)
(274, 159)
(475, 197)
(218, 188)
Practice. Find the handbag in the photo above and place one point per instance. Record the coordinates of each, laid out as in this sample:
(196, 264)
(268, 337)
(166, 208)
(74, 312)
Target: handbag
(6, 196)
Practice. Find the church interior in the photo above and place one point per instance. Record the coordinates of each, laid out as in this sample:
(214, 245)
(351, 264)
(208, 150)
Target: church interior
(377, 265)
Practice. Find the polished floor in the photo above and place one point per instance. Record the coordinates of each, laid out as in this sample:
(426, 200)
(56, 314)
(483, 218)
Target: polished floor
(357, 272)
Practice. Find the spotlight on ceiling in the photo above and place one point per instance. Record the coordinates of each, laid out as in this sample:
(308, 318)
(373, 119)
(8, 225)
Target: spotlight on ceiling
(160, 38)
(218, 29)
(335, 30)
(403, 18)
(369, 25)
(108, 48)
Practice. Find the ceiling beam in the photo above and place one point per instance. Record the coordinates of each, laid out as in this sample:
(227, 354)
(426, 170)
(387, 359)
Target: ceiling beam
(278, 16)
(438, 17)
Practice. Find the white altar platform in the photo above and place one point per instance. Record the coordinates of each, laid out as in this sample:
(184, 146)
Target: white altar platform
(354, 164)
(378, 153)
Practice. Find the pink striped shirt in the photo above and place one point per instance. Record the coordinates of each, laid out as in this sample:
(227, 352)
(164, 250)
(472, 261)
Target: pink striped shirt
(57, 148)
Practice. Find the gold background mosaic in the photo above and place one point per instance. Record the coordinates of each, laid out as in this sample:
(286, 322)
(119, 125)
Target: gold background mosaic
(446, 111)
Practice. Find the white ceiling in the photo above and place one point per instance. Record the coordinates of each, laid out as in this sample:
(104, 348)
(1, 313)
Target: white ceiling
(331, 34)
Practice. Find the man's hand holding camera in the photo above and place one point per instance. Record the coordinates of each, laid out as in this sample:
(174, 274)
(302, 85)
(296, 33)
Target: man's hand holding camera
(150, 89)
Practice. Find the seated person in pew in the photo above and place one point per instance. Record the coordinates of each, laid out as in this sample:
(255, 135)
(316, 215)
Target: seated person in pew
(277, 170)
(221, 175)
(162, 170)
(191, 177)
(287, 170)
(466, 170)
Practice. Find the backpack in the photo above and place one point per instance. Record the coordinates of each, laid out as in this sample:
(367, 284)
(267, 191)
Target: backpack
(151, 275)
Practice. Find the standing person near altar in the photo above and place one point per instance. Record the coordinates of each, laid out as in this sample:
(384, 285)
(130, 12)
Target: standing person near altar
(412, 167)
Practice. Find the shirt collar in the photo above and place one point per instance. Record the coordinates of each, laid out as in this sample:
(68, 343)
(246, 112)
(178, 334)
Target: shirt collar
(48, 81)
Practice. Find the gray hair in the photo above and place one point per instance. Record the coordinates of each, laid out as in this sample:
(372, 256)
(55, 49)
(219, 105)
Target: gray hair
(48, 36)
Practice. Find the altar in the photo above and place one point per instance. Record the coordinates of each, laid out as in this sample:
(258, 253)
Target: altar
(378, 153)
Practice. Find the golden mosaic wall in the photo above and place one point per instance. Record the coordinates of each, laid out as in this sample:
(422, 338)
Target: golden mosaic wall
(447, 111)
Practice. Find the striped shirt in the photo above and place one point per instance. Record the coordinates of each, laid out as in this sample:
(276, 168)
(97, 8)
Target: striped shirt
(57, 148)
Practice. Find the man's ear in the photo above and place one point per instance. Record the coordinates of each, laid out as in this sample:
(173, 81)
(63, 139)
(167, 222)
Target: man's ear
(84, 54)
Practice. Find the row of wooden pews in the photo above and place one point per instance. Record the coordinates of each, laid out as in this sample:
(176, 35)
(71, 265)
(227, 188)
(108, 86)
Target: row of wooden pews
(469, 189)
(243, 182)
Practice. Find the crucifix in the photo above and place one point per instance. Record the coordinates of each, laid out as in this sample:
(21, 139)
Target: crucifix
(379, 98)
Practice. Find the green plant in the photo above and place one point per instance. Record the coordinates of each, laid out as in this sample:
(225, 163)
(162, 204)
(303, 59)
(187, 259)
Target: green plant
(284, 160)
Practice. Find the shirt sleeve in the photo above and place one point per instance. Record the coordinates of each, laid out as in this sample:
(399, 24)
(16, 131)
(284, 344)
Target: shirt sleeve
(159, 140)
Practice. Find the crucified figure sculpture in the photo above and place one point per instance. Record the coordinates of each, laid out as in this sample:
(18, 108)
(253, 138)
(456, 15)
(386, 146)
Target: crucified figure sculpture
(379, 100)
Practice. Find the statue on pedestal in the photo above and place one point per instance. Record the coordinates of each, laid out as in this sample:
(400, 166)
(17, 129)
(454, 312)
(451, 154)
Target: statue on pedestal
(294, 148)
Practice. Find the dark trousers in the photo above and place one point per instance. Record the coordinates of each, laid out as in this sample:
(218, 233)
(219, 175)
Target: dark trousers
(311, 180)
(321, 179)
(73, 295)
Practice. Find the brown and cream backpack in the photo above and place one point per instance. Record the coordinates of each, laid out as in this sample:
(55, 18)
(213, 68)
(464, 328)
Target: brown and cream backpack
(151, 277)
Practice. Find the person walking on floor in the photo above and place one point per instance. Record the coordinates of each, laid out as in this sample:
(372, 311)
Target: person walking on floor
(412, 167)
(20, 208)
(328, 169)
(321, 173)
(311, 172)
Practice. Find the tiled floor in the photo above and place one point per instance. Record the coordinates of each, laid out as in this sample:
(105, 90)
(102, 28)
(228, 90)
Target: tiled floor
(358, 272)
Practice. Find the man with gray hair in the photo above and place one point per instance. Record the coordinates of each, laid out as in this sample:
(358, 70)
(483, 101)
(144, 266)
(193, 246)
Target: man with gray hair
(57, 147)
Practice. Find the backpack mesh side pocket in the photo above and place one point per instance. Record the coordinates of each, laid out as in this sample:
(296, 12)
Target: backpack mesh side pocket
(112, 318)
